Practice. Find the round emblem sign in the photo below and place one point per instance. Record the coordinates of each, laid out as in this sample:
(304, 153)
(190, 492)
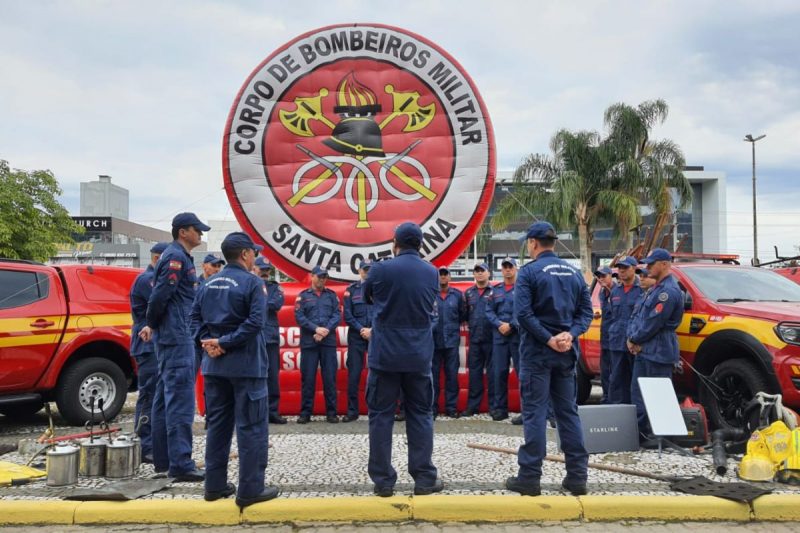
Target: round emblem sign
(347, 131)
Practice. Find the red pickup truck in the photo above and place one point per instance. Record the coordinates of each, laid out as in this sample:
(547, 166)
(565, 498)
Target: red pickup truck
(64, 337)
(740, 334)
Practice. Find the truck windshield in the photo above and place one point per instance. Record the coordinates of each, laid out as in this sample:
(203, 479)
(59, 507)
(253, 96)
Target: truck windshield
(743, 284)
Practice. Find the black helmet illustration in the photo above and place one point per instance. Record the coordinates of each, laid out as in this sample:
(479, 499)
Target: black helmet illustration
(357, 133)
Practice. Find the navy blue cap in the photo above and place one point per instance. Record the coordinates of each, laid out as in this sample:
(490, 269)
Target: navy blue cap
(627, 261)
(262, 263)
(237, 240)
(444, 270)
(319, 271)
(159, 247)
(213, 259)
(183, 220)
(478, 266)
(642, 272)
(364, 265)
(508, 260)
(602, 271)
(408, 233)
(541, 230)
(658, 254)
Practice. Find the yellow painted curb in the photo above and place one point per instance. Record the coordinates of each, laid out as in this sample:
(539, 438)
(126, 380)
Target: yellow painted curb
(495, 508)
(37, 512)
(222, 512)
(777, 507)
(344, 509)
(683, 508)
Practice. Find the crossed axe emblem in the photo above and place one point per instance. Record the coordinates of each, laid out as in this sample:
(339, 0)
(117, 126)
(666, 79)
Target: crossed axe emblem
(405, 105)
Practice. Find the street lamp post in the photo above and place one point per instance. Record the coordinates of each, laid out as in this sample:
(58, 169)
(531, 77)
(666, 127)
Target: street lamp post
(752, 140)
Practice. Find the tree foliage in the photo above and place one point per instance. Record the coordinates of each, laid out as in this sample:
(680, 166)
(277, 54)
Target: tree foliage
(589, 179)
(32, 220)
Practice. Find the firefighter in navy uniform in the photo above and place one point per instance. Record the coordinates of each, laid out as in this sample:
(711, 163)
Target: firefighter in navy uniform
(403, 293)
(211, 265)
(553, 307)
(230, 309)
(275, 300)
(479, 357)
(358, 317)
(168, 313)
(505, 342)
(452, 311)
(606, 281)
(144, 352)
(651, 333)
(623, 298)
(317, 313)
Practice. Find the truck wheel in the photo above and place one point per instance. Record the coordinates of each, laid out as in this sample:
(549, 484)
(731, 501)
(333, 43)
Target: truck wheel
(584, 387)
(735, 383)
(22, 411)
(87, 378)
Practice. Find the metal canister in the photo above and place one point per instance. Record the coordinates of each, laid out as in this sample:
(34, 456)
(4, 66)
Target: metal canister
(62, 465)
(119, 458)
(137, 453)
(93, 457)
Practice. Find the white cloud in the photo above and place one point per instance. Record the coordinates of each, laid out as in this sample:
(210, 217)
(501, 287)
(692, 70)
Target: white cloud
(141, 91)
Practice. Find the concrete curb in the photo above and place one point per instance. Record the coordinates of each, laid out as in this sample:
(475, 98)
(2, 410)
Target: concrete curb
(438, 508)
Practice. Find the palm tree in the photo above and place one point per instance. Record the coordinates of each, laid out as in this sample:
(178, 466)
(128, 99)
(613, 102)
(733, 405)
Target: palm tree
(588, 179)
(576, 186)
(654, 167)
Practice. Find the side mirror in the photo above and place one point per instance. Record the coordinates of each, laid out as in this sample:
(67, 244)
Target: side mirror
(687, 301)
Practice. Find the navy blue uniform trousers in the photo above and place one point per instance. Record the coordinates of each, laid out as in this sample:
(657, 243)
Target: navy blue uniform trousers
(502, 356)
(383, 391)
(479, 358)
(173, 409)
(323, 357)
(147, 376)
(356, 357)
(241, 402)
(273, 378)
(550, 377)
(447, 357)
(605, 373)
(619, 383)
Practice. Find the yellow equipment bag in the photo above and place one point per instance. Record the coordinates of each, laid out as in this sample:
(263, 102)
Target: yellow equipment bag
(789, 471)
(14, 474)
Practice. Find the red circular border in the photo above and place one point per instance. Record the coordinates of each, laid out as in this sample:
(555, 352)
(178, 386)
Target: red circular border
(447, 255)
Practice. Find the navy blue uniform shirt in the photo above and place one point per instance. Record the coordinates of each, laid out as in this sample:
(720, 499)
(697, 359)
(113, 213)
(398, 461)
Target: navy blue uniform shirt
(500, 308)
(357, 312)
(403, 294)
(606, 315)
(140, 294)
(314, 310)
(452, 312)
(275, 300)
(622, 304)
(551, 297)
(173, 293)
(654, 324)
(480, 329)
(230, 306)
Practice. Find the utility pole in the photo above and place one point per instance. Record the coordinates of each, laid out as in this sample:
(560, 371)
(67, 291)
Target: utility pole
(752, 140)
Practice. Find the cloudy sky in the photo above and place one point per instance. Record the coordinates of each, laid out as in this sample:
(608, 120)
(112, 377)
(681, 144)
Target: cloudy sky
(141, 90)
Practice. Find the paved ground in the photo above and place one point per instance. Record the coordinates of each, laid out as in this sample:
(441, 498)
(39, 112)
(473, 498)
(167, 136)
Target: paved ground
(321, 459)
(555, 527)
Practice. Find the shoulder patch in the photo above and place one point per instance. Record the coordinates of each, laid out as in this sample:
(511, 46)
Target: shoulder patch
(663, 297)
(175, 265)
